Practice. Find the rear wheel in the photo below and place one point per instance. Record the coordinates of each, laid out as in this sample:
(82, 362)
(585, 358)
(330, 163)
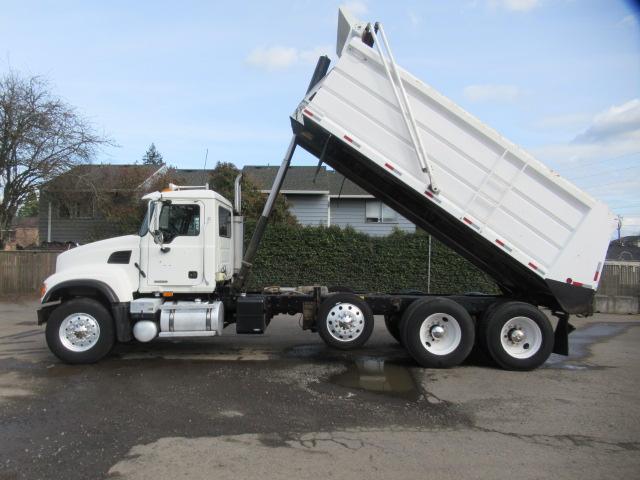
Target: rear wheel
(345, 321)
(517, 336)
(80, 331)
(437, 332)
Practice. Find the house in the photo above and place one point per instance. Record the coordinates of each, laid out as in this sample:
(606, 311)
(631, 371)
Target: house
(23, 233)
(68, 208)
(328, 198)
(627, 249)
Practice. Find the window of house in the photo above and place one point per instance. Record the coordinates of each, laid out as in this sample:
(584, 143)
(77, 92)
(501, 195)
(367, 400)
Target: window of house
(378, 212)
(76, 209)
(224, 222)
(179, 220)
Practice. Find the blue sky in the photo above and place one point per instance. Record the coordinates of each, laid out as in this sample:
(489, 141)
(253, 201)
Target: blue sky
(559, 77)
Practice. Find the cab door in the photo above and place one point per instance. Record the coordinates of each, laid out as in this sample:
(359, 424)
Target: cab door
(179, 260)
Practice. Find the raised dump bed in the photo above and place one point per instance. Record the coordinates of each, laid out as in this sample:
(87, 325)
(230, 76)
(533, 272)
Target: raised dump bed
(539, 236)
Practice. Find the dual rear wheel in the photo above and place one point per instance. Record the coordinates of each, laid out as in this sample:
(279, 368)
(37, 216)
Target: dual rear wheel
(440, 333)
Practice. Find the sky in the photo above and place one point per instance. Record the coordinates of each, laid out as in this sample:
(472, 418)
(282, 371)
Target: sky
(561, 78)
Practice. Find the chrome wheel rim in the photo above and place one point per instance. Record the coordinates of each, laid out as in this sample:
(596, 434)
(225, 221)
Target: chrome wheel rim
(521, 337)
(345, 322)
(440, 333)
(79, 332)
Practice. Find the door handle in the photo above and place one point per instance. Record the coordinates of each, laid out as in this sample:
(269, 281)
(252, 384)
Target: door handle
(165, 249)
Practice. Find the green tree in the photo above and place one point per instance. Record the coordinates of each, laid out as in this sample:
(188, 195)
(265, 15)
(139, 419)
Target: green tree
(222, 180)
(30, 206)
(152, 156)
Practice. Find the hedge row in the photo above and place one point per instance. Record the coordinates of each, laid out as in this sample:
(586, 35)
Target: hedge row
(292, 255)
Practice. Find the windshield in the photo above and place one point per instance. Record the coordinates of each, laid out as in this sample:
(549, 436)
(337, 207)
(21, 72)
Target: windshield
(144, 228)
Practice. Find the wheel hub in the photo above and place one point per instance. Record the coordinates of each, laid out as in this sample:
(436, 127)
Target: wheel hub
(516, 335)
(345, 322)
(437, 332)
(79, 332)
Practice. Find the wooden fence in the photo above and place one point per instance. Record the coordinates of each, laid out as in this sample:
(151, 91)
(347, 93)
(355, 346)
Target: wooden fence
(22, 271)
(620, 279)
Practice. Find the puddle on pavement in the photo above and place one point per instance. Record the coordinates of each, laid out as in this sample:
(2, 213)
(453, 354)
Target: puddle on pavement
(376, 375)
(579, 343)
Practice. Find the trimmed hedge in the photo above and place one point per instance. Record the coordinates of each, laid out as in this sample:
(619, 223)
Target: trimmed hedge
(292, 255)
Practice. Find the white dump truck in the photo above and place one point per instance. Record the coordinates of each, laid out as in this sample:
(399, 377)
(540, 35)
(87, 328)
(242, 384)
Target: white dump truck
(538, 236)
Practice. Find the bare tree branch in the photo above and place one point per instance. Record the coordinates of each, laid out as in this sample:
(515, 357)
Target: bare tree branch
(40, 137)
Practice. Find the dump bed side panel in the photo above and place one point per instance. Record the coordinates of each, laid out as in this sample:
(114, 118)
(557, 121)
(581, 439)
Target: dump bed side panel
(486, 182)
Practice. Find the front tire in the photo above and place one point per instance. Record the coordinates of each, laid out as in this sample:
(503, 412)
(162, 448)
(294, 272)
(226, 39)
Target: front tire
(345, 321)
(517, 336)
(80, 331)
(437, 332)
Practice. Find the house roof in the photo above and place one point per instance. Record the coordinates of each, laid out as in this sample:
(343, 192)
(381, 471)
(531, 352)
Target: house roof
(103, 177)
(25, 222)
(301, 180)
(626, 249)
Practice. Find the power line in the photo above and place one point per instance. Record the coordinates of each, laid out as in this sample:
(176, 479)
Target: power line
(598, 162)
(604, 173)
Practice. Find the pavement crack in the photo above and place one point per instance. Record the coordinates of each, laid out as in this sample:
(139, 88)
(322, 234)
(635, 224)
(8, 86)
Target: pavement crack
(572, 440)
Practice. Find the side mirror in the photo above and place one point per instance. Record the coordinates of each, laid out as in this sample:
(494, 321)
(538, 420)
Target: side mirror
(158, 236)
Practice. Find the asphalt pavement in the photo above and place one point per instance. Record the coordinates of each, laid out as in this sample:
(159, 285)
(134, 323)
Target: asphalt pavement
(283, 405)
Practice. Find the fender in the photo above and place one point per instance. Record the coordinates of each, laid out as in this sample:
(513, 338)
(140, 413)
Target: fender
(89, 284)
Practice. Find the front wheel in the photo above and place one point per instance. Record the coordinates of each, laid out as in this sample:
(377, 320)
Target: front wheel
(437, 332)
(345, 321)
(80, 331)
(517, 336)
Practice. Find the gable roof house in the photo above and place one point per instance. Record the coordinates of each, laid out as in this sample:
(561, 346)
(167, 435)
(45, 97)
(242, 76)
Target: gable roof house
(328, 198)
(67, 207)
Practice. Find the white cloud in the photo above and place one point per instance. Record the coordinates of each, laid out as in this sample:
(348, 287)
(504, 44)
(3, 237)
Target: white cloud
(614, 132)
(629, 21)
(279, 57)
(571, 120)
(414, 18)
(515, 5)
(618, 123)
(356, 7)
(492, 93)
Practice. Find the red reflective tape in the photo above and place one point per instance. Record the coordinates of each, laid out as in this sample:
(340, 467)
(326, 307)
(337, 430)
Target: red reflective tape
(500, 242)
(308, 112)
(533, 265)
(467, 220)
(389, 166)
(348, 138)
(596, 276)
(428, 194)
(578, 284)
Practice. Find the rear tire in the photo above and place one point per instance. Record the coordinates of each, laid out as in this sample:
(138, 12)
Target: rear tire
(345, 321)
(80, 331)
(437, 332)
(517, 336)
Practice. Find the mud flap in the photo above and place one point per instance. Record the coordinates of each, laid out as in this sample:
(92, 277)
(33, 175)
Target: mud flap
(561, 335)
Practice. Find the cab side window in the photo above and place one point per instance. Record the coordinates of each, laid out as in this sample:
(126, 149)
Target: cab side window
(179, 220)
(224, 222)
